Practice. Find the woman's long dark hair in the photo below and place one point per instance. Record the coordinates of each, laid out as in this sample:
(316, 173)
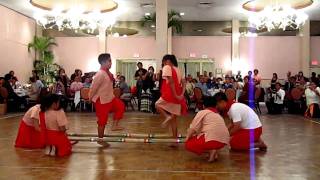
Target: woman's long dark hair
(171, 58)
(47, 101)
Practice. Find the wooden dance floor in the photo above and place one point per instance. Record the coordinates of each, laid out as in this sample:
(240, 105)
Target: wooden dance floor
(294, 153)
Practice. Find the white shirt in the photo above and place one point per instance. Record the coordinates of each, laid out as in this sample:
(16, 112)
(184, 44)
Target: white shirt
(242, 113)
(279, 96)
(312, 97)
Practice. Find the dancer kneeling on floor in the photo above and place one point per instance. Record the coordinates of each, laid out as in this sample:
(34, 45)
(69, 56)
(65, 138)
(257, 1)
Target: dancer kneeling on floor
(30, 134)
(245, 129)
(54, 122)
(101, 93)
(207, 132)
(172, 102)
(245, 122)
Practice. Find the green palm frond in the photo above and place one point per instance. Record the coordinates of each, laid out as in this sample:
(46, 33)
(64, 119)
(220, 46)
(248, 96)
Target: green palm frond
(174, 20)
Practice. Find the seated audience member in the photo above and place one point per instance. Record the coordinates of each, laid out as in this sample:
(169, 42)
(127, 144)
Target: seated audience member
(58, 87)
(35, 89)
(219, 83)
(314, 78)
(238, 76)
(313, 100)
(211, 75)
(249, 75)
(244, 121)
(76, 73)
(63, 77)
(87, 82)
(76, 85)
(290, 84)
(256, 77)
(203, 86)
(301, 77)
(207, 131)
(275, 103)
(15, 83)
(190, 86)
(248, 88)
(11, 73)
(149, 80)
(125, 89)
(14, 101)
(227, 83)
(274, 80)
(3, 95)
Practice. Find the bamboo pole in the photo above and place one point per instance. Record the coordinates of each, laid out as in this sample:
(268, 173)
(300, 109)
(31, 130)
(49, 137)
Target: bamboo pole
(128, 140)
(127, 135)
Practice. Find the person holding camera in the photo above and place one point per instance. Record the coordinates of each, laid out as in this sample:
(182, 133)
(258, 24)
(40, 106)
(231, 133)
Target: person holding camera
(275, 103)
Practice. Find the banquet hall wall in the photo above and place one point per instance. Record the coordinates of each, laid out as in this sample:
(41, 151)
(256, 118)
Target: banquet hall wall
(16, 31)
(267, 53)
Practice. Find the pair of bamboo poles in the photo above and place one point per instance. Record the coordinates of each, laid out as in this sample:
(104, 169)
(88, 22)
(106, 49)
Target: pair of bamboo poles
(129, 138)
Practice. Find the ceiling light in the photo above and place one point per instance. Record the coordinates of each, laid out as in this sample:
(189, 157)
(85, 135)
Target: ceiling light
(147, 14)
(182, 14)
(199, 30)
(74, 16)
(153, 26)
(278, 17)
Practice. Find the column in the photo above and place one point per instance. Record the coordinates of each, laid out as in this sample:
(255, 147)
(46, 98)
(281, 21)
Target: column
(170, 40)
(235, 47)
(102, 40)
(161, 30)
(304, 33)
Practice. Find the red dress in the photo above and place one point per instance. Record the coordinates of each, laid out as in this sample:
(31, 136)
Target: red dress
(199, 145)
(167, 95)
(29, 137)
(58, 139)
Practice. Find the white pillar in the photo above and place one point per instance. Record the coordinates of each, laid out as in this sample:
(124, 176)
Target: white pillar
(170, 40)
(102, 40)
(235, 54)
(161, 30)
(304, 33)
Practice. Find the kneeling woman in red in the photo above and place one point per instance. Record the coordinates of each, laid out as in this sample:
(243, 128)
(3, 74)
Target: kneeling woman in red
(29, 134)
(171, 103)
(55, 126)
(207, 132)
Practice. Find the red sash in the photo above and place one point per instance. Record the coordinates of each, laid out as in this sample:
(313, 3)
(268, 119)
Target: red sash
(167, 95)
(109, 74)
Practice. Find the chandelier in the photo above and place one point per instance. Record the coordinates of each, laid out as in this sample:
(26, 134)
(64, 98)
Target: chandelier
(278, 16)
(76, 17)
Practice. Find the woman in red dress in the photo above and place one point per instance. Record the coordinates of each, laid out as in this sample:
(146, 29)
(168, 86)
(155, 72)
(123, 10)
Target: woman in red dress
(172, 102)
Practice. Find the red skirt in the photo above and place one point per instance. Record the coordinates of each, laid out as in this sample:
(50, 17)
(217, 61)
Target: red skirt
(199, 146)
(241, 139)
(60, 140)
(28, 137)
(102, 110)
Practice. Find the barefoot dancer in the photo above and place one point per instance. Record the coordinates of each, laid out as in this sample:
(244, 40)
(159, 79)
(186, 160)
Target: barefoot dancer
(207, 132)
(244, 122)
(171, 103)
(101, 94)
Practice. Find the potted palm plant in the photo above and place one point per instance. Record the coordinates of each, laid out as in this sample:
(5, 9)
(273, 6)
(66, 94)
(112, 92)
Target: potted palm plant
(44, 58)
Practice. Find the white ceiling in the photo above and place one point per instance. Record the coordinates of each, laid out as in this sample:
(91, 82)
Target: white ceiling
(221, 10)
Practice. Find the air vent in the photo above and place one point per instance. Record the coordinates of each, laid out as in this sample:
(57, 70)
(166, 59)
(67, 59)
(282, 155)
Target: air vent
(205, 4)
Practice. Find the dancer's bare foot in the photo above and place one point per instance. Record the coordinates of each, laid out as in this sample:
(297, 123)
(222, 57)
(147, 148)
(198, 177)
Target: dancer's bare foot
(261, 145)
(164, 124)
(213, 156)
(103, 143)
